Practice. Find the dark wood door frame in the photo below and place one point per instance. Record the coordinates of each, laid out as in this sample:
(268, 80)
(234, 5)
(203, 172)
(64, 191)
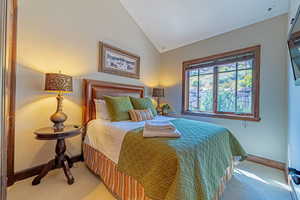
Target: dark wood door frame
(11, 86)
(3, 17)
(8, 25)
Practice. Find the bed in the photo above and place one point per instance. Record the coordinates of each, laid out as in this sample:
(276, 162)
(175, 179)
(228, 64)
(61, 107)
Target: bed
(196, 166)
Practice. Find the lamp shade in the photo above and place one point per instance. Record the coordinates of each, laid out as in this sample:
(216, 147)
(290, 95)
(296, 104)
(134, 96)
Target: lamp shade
(158, 92)
(58, 82)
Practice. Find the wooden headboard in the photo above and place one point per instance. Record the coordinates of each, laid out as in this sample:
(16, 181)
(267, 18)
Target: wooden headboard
(93, 89)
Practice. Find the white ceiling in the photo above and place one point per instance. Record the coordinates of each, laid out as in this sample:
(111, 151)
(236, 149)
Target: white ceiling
(170, 24)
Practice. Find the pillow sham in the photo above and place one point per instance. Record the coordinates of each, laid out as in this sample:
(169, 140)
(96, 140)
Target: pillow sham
(143, 104)
(101, 109)
(118, 107)
(140, 115)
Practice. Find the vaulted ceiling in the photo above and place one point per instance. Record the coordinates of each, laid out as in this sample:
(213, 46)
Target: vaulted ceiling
(170, 24)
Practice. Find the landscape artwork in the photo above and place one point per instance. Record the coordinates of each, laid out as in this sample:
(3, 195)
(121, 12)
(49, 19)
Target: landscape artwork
(118, 62)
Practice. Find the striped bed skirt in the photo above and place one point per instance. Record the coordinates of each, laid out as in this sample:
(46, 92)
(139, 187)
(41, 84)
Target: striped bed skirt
(122, 186)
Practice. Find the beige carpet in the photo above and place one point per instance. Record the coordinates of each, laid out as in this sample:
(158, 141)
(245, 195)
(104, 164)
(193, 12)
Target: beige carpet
(250, 182)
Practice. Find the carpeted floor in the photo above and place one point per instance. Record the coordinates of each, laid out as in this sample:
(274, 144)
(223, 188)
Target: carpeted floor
(250, 182)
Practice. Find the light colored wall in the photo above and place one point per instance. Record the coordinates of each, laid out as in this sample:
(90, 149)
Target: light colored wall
(293, 106)
(266, 138)
(63, 35)
(293, 109)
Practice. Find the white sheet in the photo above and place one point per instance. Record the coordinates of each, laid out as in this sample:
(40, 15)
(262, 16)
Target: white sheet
(107, 136)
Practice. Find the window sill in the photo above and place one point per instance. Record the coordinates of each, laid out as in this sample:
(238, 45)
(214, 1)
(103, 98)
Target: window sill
(224, 116)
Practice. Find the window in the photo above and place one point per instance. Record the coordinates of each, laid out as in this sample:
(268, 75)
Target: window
(224, 86)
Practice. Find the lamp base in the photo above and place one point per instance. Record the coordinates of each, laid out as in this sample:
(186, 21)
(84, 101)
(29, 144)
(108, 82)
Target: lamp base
(59, 117)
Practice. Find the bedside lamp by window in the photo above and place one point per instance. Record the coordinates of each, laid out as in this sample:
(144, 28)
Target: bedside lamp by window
(158, 93)
(60, 83)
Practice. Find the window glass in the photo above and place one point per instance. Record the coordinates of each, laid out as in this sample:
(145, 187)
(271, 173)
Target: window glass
(227, 91)
(206, 89)
(224, 86)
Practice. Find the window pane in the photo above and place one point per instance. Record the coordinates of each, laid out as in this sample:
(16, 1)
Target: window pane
(206, 92)
(206, 70)
(244, 91)
(226, 92)
(245, 64)
(193, 90)
(193, 72)
(227, 67)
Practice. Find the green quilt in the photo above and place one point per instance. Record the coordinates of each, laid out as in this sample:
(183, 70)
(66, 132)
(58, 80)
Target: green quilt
(185, 168)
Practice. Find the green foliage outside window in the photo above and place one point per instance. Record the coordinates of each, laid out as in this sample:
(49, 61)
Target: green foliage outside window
(234, 88)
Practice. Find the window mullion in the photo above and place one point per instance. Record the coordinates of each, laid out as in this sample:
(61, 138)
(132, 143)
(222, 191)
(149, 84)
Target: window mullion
(215, 91)
(198, 87)
(187, 75)
(254, 85)
(236, 85)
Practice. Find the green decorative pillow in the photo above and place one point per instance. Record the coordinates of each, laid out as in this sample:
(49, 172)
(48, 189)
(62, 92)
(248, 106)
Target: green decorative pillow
(143, 104)
(118, 108)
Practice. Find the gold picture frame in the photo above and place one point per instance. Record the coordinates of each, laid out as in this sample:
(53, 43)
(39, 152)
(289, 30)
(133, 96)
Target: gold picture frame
(118, 62)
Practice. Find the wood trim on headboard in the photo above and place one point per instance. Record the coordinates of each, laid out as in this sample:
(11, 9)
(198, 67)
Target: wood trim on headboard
(93, 89)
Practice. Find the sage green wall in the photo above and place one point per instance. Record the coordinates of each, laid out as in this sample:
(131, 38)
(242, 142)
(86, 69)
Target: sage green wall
(268, 137)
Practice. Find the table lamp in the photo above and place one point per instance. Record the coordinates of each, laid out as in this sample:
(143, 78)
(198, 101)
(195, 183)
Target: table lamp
(60, 83)
(158, 93)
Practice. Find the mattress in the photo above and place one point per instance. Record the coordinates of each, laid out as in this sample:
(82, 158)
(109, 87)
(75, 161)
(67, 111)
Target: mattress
(107, 137)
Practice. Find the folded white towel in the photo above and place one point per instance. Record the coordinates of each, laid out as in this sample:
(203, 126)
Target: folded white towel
(161, 133)
(157, 125)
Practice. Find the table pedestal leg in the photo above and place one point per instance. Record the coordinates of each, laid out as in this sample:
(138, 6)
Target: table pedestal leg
(68, 172)
(50, 165)
(61, 161)
(70, 163)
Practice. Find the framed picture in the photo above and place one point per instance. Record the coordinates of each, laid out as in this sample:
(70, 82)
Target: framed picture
(119, 62)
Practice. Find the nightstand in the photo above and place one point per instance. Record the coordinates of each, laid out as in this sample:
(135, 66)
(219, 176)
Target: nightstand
(61, 159)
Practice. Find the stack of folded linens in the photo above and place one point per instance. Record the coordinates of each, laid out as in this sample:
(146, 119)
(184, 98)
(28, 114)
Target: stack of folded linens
(160, 128)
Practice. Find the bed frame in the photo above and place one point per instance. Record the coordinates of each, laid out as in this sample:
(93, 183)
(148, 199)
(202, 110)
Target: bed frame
(94, 89)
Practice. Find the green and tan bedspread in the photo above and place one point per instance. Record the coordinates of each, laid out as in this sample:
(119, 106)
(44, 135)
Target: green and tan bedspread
(185, 168)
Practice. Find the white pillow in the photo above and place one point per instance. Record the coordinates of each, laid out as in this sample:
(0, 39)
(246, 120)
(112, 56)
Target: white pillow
(101, 109)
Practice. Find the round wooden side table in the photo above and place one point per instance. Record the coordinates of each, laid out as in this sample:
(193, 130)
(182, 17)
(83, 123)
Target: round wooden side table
(61, 159)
